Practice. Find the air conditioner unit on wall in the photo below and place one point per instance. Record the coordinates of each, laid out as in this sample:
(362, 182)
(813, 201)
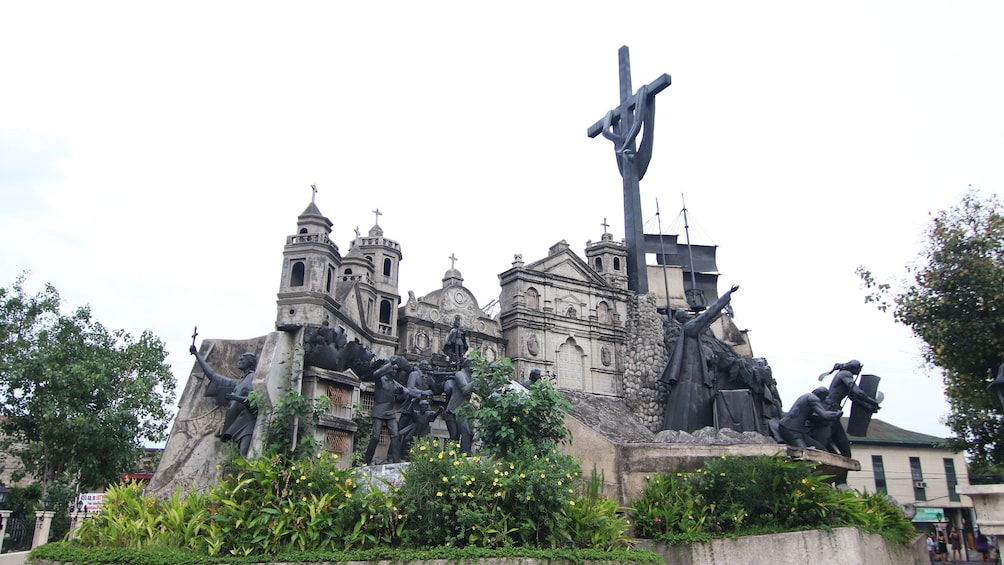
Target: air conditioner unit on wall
(919, 484)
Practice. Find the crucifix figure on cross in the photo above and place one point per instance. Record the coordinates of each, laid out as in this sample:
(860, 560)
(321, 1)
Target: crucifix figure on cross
(313, 195)
(633, 117)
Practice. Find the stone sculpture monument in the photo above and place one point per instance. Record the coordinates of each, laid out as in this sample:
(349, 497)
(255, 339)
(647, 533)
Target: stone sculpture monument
(633, 117)
(238, 425)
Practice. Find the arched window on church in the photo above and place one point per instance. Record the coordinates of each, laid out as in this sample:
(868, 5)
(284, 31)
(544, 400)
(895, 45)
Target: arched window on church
(385, 311)
(303, 231)
(572, 312)
(532, 299)
(571, 366)
(386, 267)
(603, 313)
(599, 263)
(296, 274)
(617, 263)
(331, 276)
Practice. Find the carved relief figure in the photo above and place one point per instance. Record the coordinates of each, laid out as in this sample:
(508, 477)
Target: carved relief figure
(238, 425)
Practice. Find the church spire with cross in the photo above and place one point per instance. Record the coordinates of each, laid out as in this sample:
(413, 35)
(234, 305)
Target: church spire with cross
(376, 230)
(453, 276)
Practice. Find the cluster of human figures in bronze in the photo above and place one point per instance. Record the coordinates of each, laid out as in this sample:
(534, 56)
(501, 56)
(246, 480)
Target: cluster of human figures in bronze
(708, 384)
(407, 397)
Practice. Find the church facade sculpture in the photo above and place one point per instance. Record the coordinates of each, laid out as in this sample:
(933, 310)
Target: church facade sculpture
(241, 415)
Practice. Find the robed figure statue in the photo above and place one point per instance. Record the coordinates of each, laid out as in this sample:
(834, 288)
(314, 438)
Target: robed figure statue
(689, 406)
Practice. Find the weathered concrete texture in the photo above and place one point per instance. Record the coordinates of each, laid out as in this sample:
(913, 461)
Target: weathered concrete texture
(644, 359)
(988, 501)
(625, 453)
(841, 545)
(194, 450)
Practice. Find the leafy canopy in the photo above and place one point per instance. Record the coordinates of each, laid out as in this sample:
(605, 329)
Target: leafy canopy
(954, 302)
(508, 415)
(77, 399)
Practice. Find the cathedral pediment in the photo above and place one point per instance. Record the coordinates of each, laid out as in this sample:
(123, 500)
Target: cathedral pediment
(567, 264)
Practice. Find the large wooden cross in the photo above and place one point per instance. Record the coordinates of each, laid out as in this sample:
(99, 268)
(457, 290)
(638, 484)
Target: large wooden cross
(635, 115)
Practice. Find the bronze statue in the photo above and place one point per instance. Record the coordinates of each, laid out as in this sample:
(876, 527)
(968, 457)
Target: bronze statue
(793, 425)
(456, 343)
(842, 386)
(534, 377)
(238, 425)
(382, 414)
(458, 388)
(421, 418)
(689, 406)
(634, 116)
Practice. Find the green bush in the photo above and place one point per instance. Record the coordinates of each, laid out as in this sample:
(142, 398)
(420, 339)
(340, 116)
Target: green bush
(595, 520)
(130, 520)
(275, 503)
(454, 500)
(742, 496)
(507, 415)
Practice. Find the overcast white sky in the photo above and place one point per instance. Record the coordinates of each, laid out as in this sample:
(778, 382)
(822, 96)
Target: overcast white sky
(154, 156)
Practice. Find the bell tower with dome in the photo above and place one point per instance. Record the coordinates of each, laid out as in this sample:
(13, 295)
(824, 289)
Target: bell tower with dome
(310, 262)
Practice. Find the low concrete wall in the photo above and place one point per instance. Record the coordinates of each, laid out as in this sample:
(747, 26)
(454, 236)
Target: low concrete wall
(15, 558)
(841, 545)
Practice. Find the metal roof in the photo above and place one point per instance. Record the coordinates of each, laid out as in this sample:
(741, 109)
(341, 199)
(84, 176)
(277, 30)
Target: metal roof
(884, 433)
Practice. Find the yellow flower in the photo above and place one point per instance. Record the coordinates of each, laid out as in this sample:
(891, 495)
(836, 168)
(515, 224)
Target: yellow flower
(304, 499)
(542, 476)
(303, 477)
(445, 479)
(440, 454)
(522, 476)
(572, 502)
(348, 495)
(421, 448)
(440, 493)
(721, 474)
(320, 454)
(456, 463)
(514, 418)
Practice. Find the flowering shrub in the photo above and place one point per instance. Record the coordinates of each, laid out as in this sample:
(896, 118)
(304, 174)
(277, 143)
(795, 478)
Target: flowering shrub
(451, 499)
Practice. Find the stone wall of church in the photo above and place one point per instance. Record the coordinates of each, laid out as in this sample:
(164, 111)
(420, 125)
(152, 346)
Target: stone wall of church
(645, 357)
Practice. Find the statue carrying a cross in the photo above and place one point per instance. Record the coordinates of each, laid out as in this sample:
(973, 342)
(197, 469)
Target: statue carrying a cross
(633, 117)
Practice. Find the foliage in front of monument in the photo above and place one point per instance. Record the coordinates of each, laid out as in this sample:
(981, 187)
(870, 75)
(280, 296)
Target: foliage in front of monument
(130, 520)
(742, 496)
(507, 415)
(78, 399)
(523, 499)
(276, 504)
(954, 302)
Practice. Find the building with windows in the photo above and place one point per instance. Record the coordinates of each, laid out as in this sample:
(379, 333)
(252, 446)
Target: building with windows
(914, 468)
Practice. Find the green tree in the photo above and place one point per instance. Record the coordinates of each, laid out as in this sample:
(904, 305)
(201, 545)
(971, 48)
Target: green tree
(954, 302)
(507, 415)
(77, 400)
